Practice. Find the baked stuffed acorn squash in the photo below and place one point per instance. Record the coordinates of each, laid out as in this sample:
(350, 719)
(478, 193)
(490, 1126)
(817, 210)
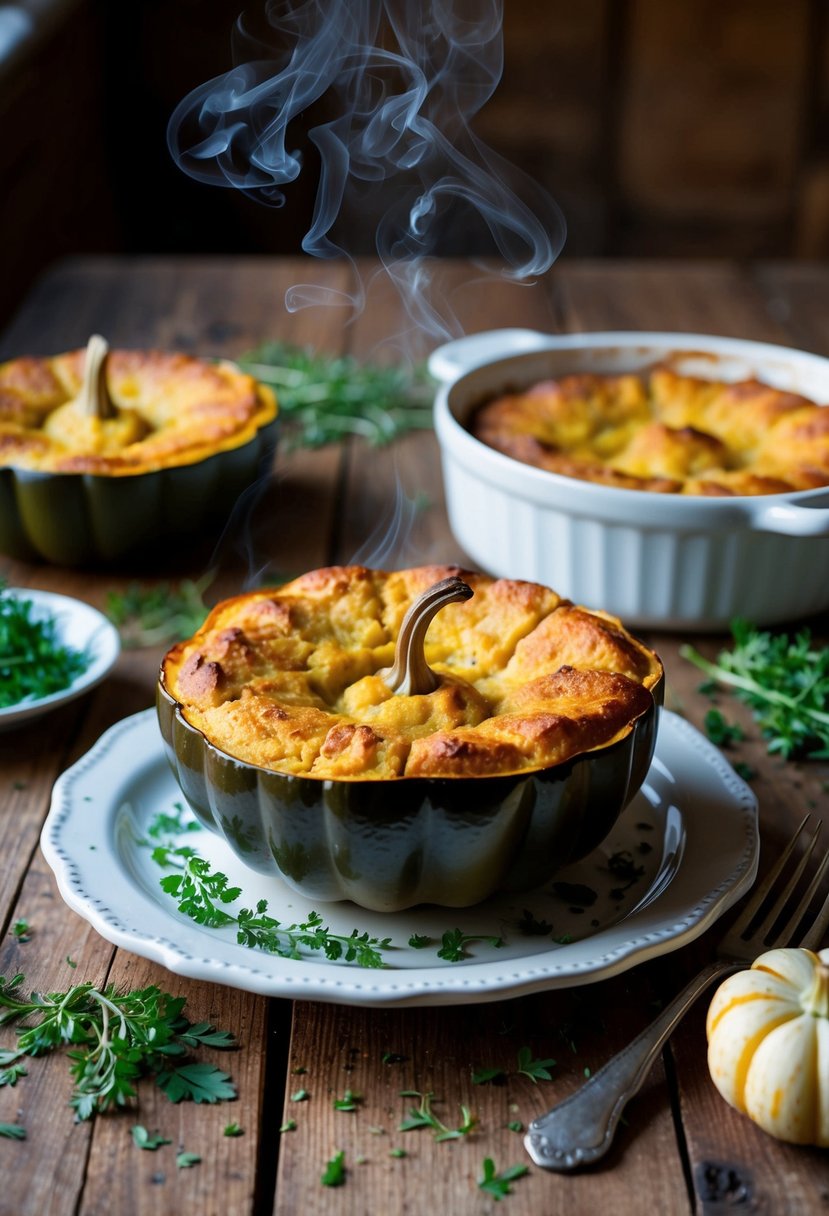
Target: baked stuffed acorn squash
(427, 735)
(102, 452)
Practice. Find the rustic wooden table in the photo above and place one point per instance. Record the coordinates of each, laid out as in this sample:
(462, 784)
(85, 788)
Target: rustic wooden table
(681, 1148)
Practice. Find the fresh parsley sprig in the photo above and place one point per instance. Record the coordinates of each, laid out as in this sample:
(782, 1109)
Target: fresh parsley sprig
(785, 682)
(324, 399)
(204, 895)
(115, 1037)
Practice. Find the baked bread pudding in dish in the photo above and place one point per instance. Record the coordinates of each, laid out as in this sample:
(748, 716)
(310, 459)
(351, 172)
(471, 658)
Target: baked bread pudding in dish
(422, 735)
(152, 410)
(103, 452)
(293, 680)
(664, 432)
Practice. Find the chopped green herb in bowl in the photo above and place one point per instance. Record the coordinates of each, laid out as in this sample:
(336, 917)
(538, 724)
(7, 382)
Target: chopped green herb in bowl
(52, 648)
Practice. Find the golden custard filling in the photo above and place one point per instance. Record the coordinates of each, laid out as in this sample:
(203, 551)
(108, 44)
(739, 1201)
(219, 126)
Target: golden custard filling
(146, 410)
(663, 432)
(298, 680)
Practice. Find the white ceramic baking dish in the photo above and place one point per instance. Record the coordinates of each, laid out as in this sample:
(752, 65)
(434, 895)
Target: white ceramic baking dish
(656, 560)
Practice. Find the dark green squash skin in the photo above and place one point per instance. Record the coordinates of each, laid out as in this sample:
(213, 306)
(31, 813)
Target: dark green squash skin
(388, 845)
(78, 519)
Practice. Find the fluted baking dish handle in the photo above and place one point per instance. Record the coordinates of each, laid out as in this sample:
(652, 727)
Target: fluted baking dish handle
(452, 359)
(791, 519)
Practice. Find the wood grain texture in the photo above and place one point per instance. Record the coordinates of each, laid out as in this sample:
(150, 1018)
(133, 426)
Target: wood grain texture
(342, 1048)
(681, 1148)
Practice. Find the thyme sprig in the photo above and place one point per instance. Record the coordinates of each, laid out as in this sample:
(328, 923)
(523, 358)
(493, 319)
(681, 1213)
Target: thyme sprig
(324, 399)
(156, 616)
(115, 1037)
(423, 1116)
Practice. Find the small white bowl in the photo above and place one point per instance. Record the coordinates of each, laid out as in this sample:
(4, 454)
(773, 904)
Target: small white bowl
(76, 625)
(655, 560)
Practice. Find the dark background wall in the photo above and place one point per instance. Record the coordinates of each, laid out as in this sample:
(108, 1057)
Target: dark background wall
(662, 127)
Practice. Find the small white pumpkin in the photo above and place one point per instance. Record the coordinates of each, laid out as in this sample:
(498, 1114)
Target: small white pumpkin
(768, 1044)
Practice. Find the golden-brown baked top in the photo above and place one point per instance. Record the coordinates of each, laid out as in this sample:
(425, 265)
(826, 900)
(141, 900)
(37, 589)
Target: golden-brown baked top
(170, 409)
(663, 432)
(288, 679)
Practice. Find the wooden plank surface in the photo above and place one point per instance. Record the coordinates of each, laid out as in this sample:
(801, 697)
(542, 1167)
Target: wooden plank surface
(682, 1149)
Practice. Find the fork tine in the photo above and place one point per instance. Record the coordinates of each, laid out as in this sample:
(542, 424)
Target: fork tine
(813, 938)
(753, 906)
(787, 933)
(762, 931)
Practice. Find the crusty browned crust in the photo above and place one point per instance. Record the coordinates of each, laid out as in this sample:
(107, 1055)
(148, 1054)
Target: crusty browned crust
(663, 432)
(288, 679)
(171, 409)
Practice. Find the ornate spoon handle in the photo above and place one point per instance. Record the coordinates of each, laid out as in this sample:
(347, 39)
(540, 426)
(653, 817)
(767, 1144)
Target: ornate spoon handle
(580, 1129)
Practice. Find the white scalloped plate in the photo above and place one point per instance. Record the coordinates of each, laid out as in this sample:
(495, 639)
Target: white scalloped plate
(691, 831)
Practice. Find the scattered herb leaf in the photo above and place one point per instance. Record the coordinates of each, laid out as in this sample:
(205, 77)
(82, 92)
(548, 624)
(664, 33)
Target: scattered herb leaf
(115, 1038)
(623, 866)
(536, 1070)
(334, 1172)
(393, 1057)
(13, 1131)
(144, 1140)
(744, 770)
(496, 1184)
(515, 1126)
(186, 1161)
(288, 1126)
(323, 399)
(784, 680)
(398, 1152)
(349, 1101)
(21, 929)
(233, 1129)
(11, 1075)
(480, 1076)
(419, 941)
(454, 944)
(531, 927)
(301, 1095)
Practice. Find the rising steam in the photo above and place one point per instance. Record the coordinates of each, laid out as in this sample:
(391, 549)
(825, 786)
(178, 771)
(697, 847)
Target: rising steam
(399, 82)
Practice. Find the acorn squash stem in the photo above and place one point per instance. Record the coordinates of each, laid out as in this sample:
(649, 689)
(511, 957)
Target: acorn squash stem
(816, 1000)
(94, 398)
(411, 675)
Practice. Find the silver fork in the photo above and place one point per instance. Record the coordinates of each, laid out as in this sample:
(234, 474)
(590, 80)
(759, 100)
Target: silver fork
(580, 1129)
